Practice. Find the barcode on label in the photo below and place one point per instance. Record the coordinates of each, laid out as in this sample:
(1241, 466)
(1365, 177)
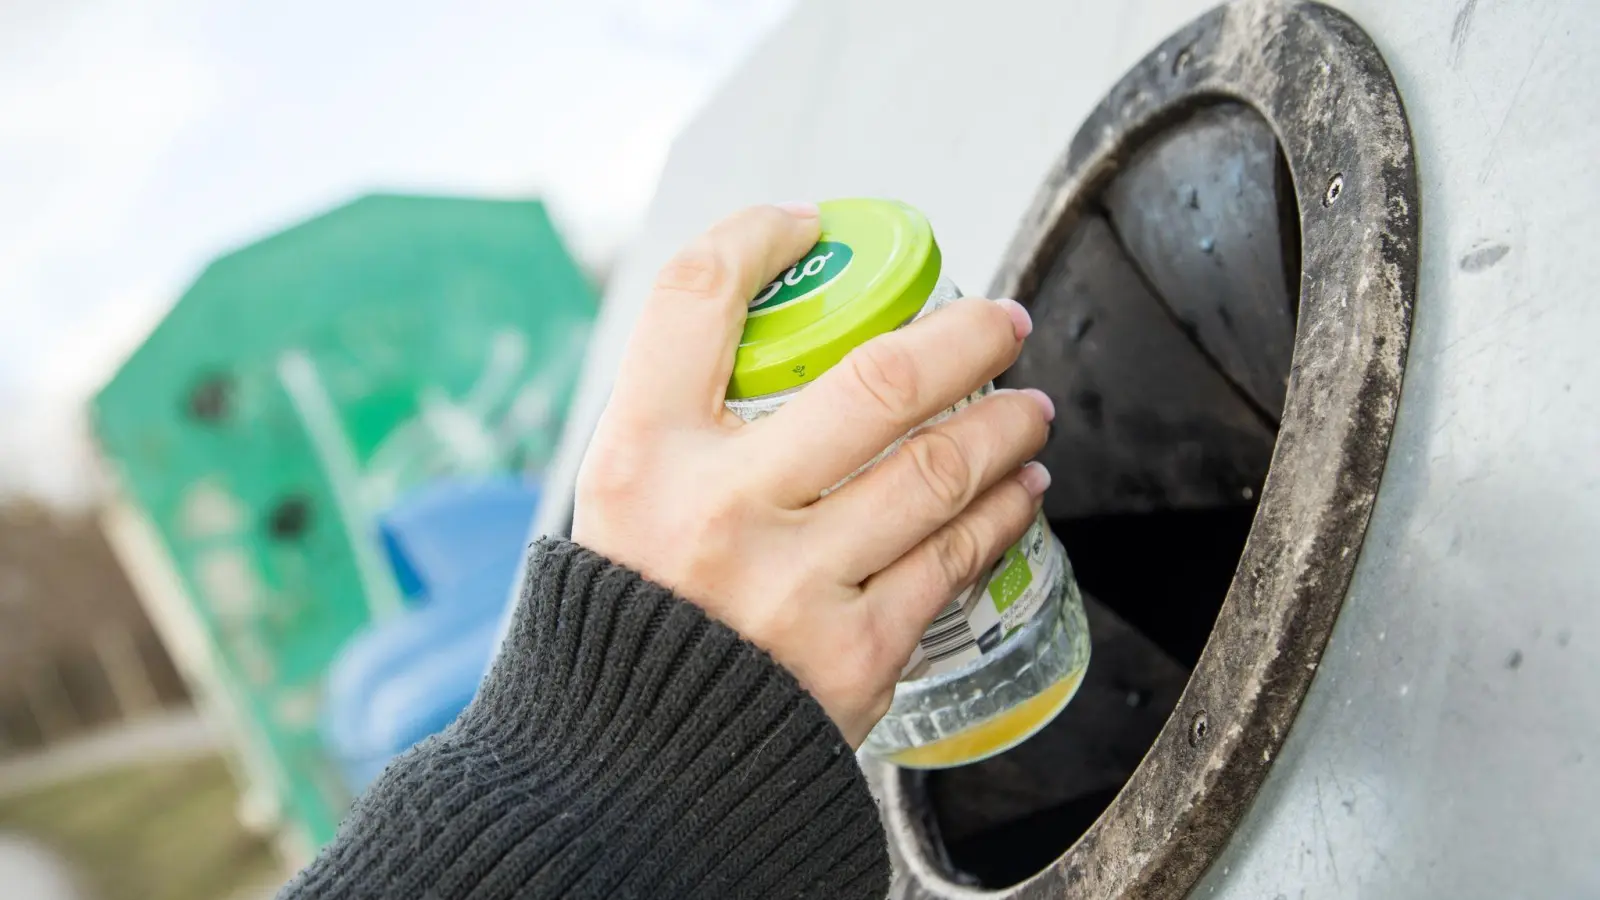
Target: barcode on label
(949, 634)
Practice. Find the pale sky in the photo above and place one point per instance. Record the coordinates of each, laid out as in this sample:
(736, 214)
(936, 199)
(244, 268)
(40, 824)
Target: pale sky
(141, 138)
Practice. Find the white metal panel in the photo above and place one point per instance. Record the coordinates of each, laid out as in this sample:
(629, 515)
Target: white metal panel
(1450, 746)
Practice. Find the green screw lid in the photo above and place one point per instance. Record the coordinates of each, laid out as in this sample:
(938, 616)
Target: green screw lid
(871, 271)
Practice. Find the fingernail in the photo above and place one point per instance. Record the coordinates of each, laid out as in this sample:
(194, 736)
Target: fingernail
(800, 209)
(1044, 401)
(1035, 477)
(1020, 320)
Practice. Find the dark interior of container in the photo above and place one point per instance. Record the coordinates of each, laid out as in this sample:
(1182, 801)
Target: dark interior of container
(1163, 332)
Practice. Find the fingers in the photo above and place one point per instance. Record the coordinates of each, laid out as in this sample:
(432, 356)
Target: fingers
(882, 390)
(929, 481)
(680, 355)
(907, 595)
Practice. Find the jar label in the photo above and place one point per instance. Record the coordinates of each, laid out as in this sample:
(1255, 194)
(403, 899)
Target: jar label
(826, 261)
(981, 618)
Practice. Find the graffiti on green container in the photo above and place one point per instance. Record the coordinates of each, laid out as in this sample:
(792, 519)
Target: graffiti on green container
(300, 387)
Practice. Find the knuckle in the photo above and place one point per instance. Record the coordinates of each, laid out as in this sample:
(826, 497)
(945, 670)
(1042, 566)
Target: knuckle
(886, 374)
(943, 467)
(697, 271)
(959, 552)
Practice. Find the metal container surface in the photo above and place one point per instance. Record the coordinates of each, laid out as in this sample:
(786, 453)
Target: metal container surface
(1447, 746)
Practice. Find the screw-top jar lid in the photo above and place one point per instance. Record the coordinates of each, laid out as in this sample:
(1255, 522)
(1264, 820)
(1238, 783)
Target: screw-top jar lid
(871, 271)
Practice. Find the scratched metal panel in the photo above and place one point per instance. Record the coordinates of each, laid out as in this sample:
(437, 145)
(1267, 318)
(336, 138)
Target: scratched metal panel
(1447, 747)
(1200, 209)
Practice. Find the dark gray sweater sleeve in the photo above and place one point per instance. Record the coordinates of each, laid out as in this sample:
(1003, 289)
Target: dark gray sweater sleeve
(623, 745)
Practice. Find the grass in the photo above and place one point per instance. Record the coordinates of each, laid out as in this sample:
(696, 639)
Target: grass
(162, 831)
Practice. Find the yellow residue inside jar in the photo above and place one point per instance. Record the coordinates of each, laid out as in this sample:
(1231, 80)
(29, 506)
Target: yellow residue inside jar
(994, 735)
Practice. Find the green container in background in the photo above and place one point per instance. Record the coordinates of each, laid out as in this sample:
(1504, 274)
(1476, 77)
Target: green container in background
(297, 389)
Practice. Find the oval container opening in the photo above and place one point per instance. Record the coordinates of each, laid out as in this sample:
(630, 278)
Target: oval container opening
(1221, 268)
(1163, 332)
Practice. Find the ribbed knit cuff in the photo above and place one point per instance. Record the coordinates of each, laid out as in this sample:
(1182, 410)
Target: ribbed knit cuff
(624, 745)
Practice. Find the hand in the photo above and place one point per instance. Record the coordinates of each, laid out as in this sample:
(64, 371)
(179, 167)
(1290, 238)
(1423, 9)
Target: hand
(727, 514)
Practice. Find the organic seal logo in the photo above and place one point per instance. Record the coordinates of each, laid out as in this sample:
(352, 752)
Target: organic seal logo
(1012, 577)
(811, 274)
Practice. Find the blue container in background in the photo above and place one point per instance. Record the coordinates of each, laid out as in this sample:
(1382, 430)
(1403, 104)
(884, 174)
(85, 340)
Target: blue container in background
(455, 548)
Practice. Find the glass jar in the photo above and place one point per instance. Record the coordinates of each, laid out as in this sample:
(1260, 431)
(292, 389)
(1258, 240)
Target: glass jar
(1006, 655)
